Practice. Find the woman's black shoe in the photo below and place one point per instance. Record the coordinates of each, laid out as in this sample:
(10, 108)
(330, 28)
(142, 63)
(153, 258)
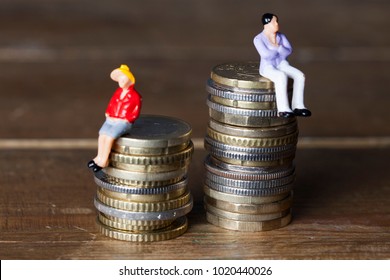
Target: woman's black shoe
(91, 164)
(95, 168)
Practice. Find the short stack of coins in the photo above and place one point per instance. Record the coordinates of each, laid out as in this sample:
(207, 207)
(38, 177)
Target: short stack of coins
(249, 169)
(143, 195)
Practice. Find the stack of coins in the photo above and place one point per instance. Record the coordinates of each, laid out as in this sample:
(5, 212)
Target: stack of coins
(249, 169)
(143, 195)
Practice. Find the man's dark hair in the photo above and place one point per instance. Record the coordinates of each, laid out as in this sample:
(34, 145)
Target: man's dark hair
(266, 18)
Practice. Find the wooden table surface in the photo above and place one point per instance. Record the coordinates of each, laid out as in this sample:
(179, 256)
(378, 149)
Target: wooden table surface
(55, 60)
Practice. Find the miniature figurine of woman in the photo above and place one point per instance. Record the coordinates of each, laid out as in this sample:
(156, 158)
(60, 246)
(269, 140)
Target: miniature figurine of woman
(274, 49)
(124, 108)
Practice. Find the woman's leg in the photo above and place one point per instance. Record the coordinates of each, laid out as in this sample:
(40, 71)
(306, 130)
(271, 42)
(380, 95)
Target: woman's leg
(105, 143)
(108, 133)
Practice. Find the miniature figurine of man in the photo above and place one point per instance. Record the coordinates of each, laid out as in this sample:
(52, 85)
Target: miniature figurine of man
(124, 108)
(274, 49)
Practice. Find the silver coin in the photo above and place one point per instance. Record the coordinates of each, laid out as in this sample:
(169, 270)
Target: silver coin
(102, 181)
(144, 216)
(248, 192)
(248, 121)
(240, 95)
(151, 131)
(241, 149)
(254, 132)
(245, 184)
(248, 173)
(248, 156)
(242, 112)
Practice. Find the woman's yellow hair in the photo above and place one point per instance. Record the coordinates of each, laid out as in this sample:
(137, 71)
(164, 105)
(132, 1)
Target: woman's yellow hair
(126, 70)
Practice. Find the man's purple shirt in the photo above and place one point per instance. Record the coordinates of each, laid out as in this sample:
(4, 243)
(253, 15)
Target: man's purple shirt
(270, 54)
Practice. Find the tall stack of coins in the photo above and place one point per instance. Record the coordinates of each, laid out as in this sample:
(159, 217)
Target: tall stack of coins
(249, 169)
(143, 195)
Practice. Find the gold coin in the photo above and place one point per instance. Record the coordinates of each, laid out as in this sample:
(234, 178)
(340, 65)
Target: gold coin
(241, 198)
(139, 183)
(241, 75)
(151, 131)
(254, 132)
(151, 167)
(128, 150)
(251, 141)
(145, 179)
(250, 208)
(248, 121)
(272, 163)
(177, 228)
(132, 225)
(143, 198)
(244, 217)
(244, 104)
(248, 226)
(173, 158)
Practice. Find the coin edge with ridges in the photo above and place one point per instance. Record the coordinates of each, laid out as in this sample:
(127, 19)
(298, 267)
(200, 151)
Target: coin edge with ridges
(172, 231)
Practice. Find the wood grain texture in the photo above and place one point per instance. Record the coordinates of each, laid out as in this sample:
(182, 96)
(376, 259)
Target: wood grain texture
(340, 212)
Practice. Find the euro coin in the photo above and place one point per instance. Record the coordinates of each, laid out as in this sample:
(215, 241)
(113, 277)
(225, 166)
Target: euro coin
(246, 225)
(177, 228)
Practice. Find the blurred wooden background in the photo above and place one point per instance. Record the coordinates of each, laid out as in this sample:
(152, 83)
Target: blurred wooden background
(55, 60)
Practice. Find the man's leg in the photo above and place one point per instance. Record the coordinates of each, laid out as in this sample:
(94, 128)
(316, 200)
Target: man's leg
(280, 80)
(299, 84)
